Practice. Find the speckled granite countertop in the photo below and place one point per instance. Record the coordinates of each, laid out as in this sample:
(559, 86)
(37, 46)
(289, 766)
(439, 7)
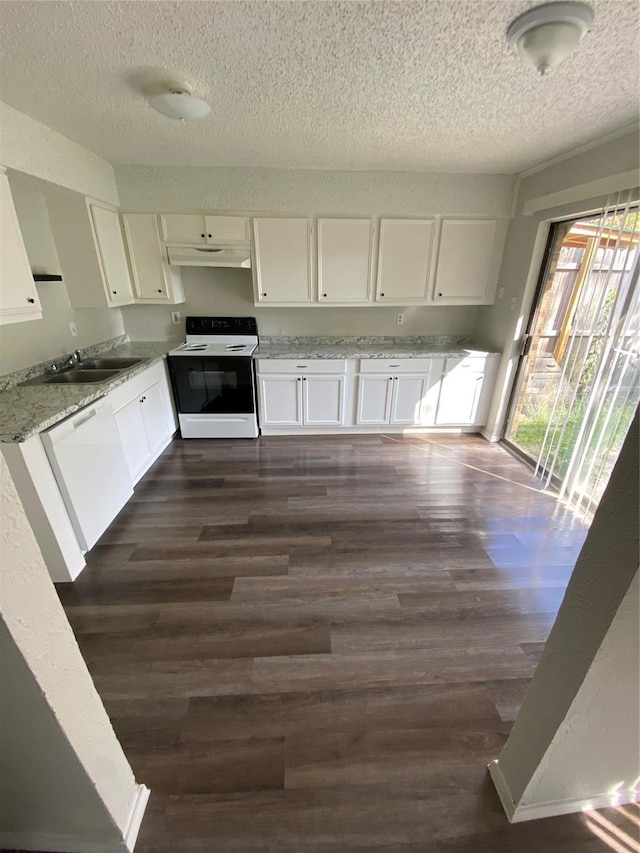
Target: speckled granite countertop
(369, 347)
(27, 410)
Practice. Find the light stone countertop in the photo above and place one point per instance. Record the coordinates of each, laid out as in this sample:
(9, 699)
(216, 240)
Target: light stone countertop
(28, 410)
(365, 347)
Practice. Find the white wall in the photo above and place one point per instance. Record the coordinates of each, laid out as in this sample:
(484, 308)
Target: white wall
(24, 344)
(304, 192)
(499, 327)
(166, 188)
(78, 726)
(606, 712)
(34, 149)
(229, 291)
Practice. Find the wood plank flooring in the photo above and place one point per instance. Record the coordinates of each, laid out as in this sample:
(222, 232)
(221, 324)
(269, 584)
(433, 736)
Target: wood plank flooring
(317, 644)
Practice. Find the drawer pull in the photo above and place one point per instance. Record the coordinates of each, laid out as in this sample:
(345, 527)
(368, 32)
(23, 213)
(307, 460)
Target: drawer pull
(302, 366)
(394, 365)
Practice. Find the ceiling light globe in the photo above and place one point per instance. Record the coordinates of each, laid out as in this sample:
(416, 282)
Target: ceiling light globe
(546, 35)
(180, 106)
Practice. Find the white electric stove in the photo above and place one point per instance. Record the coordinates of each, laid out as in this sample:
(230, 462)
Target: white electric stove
(213, 378)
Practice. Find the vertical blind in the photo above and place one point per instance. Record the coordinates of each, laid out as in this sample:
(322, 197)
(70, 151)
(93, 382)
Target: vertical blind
(599, 386)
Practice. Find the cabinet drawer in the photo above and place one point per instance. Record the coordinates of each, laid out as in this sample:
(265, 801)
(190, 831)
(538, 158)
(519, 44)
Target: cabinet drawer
(126, 392)
(471, 363)
(303, 365)
(399, 365)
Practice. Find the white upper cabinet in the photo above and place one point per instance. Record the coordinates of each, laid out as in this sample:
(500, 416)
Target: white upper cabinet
(404, 260)
(91, 251)
(282, 269)
(196, 228)
(18, 296)
(468, 262)
(154, 281)
(344, 260)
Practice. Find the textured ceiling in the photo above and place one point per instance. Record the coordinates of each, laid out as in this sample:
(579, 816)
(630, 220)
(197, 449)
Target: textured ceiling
(424, 85)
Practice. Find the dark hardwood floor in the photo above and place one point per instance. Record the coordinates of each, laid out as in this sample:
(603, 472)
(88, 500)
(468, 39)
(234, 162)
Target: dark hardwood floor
(317, 644)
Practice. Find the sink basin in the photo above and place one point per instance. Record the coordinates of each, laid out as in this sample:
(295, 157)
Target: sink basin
(108, 363)
(73, 377)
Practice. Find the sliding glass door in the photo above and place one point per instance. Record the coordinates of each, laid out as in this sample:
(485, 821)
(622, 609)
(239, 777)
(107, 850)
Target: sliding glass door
(578, 381)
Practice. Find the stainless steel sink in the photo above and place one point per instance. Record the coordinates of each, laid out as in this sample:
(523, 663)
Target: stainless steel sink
(108, 363)
(76, 376)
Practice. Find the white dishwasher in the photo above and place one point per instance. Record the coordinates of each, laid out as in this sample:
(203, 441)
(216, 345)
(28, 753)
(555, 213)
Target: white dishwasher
(89, 466)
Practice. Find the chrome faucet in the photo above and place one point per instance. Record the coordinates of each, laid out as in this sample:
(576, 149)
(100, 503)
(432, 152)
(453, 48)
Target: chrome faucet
(74, 358)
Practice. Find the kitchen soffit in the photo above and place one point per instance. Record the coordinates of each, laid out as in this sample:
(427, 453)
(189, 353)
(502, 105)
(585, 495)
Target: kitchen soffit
(423, 86)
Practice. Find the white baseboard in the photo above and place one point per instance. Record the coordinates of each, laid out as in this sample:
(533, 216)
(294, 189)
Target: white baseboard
(135, 817)
(503, 789)
(555, 808)
(368, 430)
(65, 843)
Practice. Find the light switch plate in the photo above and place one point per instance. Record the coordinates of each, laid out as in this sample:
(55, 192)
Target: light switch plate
(400, 319)
(74, 331)
(175, 318)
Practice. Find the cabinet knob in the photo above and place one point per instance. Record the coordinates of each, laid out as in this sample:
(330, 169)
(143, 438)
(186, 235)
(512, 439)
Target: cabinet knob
(298, 379)
(203, 236)
(264, 294)
(324, 295)
(115, 292)
(159, 291)
(209, 235)
(439, 294)
(382, 294)
(31, 301)
(304, 378)
(142, 399)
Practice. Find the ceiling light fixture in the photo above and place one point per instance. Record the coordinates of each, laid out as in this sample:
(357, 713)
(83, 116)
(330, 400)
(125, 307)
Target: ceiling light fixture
(178, 103)
(546, 35)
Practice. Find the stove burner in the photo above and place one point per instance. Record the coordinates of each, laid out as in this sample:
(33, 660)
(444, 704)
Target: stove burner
(234, 347)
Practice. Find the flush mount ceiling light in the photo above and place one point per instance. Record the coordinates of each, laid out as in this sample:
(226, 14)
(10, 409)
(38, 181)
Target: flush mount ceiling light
(178, 103)
(545, 35)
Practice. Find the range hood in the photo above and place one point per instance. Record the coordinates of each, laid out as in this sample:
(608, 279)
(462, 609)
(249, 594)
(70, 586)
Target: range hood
(209, 256)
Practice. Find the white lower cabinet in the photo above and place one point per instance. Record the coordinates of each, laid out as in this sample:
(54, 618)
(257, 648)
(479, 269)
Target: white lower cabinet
(308, 393)
(406, 396)
(466, 390)
(369, 394)
(144, 416)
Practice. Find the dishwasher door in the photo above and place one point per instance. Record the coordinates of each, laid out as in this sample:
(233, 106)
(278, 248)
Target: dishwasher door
(89, 466)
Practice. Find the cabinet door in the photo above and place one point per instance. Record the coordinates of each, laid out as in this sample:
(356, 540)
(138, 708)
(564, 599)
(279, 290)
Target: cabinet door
(459, 396)
(145, 254)
(374, 399)
(465, 260)
(323, 400)
(280, 400)
(408, 393)
(344, 259)
(183, 228)
(132, 433)
(113, 259)
(154, 416)
(228, 230)
(404, 260)
(18, 296)
(283, 259)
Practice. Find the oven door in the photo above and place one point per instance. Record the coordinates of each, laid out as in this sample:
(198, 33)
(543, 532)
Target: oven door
(213, 386)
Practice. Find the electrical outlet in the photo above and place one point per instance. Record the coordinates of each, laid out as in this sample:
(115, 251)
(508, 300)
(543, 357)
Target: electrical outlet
(400, 319)
(74, 331)
(175, 318)
(512, 306)
(501, 293)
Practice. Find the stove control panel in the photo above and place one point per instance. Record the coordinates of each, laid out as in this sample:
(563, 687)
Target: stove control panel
(221, 326)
